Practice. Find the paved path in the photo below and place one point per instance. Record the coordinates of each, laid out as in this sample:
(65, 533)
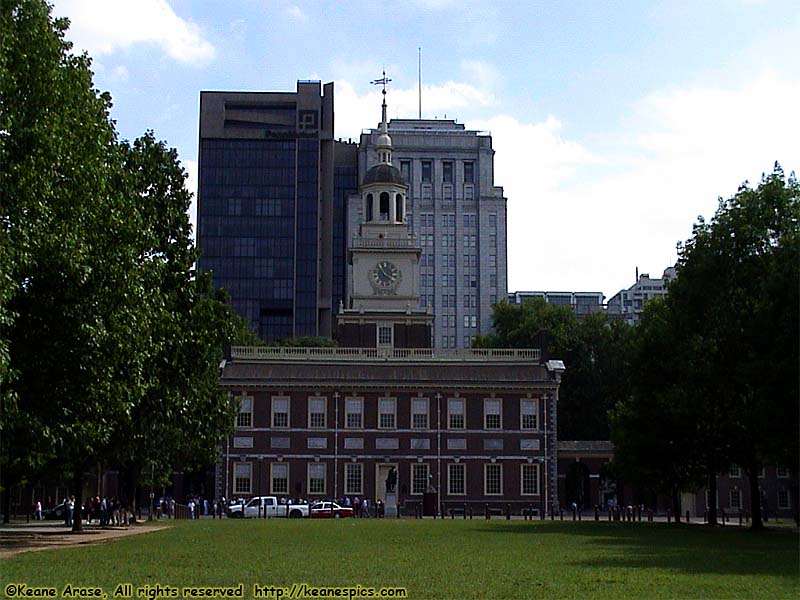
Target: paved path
(31, 537)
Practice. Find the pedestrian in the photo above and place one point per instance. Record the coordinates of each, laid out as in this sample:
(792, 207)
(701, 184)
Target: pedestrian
(37, 512)
(357, 506)
(365, 507)
(70, 510)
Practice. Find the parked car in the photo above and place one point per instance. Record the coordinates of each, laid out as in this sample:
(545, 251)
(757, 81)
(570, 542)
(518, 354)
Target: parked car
(57, 513)
(267, 506)
(330, 510)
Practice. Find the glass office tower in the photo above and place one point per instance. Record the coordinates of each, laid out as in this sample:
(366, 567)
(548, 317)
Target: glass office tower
(265, 206)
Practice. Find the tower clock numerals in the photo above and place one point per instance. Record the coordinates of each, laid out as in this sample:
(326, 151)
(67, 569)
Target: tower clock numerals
(385, 276)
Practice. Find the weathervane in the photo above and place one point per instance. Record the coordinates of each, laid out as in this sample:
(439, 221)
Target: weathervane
(382, 81)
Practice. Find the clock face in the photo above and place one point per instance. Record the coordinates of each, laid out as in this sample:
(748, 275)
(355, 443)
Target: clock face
(385, 276)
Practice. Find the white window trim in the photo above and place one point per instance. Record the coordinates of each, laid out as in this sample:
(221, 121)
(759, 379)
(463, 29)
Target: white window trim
(463, 402)
(360, 400)
(324, 412)
(522, 468)
(535, 402)
(288, 412)
(730, 498)
(427, 477)
(449, 487)
(427, 412)
(351, 492)
(250, 479)
(734, 472)
(394, 412)
(486, 413)
(240, 399)
(486, 467)
(390, 343)
(324, 479)
(788, 504)
(272, 479)
(779, 469)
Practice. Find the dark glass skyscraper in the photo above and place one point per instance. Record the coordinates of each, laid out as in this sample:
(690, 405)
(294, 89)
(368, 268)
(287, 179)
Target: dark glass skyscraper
(265, 205)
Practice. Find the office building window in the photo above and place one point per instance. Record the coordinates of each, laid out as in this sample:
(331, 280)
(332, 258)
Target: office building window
(529, 418)
(419, 478)
(419, 413)
(354, 413)
(427, 171)
(530, 479)
(734, 471)
(280, 411)
(469, 172)
(317, 412)
(353, 478)
(245, 416)
(455, 413)
(280, 478)
(387, 415)
(492, 479)
(447, 172)
(457, 479)
(405, 170)
(493, 220)
(448, 280)
(492, 418)
(735, 498)
(316, 478)
(242, 478)
(448, 220)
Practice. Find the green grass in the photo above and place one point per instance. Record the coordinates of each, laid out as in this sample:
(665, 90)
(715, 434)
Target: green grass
(438, 559)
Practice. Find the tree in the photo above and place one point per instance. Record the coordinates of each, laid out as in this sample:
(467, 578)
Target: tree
(654, 429)
(735, 303)
(595, 351)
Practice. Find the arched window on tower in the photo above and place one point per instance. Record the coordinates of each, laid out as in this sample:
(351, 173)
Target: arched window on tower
(398, 208)
(384, 206)
(369, 207)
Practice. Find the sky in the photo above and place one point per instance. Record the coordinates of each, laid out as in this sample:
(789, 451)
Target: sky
(615, 124)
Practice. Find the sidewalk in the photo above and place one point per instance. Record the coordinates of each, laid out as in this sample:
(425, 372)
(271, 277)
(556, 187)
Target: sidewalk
(19, 537)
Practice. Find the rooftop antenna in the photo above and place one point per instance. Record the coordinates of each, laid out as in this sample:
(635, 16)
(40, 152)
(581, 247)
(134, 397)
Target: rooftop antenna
(419, 79)
(382, 81)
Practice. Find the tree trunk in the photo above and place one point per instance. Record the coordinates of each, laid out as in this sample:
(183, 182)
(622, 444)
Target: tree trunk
(676, 505)
(77, 513)
(755, 497)
(712, 496)
(7, 504)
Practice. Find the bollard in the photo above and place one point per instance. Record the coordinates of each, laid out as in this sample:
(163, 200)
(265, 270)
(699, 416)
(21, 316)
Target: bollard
(669, 515)
(596, 513)
(470, 513)
(561, 514)
(740, 518)
(580, 515)
(574, 515)
(465, 510)
(488, 514)
(610, 515)
(705, 516)
(687, 517)
(722, 521)
(552, 513)
(508, 512)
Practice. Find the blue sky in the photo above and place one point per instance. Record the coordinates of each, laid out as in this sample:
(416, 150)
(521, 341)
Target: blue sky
(615, 124)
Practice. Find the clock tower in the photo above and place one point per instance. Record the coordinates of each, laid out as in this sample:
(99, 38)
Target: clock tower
(383, 295)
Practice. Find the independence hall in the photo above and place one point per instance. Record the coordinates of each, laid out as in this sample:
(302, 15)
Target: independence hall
(459, 426)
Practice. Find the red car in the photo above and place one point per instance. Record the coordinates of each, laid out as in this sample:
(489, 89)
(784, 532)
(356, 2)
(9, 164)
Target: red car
(330, 510)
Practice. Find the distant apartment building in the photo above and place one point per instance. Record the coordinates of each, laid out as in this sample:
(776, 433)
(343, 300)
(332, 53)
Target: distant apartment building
(458, 216)
(581, 303)
(628, 304)
(266, 206)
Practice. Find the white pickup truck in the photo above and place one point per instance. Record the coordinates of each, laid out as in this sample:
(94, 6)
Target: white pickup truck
(256, 507)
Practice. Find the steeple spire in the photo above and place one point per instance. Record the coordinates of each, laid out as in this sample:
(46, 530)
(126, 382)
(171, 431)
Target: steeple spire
(384, 143)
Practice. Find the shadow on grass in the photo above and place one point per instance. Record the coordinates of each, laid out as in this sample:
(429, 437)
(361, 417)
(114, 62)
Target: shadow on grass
(690, 549)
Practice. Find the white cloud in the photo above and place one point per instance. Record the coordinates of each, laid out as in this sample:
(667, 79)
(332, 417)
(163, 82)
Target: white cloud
(104, 26)
(482, 73)
(677, 153)
(296, 13)
(355, 112)
(120, 73)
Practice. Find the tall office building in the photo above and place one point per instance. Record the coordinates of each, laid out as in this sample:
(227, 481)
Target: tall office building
(266, 206)
(458, 216)
(628, 305)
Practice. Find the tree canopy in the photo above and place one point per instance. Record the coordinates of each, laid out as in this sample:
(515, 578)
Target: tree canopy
(110, 339)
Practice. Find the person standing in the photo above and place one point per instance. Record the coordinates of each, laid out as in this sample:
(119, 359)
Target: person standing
(37, 513)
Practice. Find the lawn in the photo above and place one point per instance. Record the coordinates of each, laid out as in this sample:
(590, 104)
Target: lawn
(437, 559)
